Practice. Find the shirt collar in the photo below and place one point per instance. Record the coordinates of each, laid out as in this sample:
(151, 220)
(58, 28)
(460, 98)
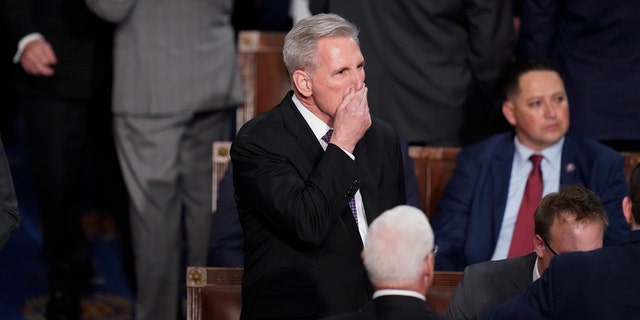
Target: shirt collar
(552, 154)
(536, 274)
(318, 127)
(398, 292)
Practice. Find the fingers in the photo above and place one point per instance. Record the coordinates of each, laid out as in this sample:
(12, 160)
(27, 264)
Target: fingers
(38, 58)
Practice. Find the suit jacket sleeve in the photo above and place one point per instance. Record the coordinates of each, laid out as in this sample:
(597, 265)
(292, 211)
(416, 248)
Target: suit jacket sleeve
(9, 216)
(111, 10)
(612, 189)
(462, 303)
(450, 221)
(537, 28)
(491, 39)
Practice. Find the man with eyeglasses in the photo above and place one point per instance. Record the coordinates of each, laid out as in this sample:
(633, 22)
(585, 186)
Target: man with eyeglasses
(572, 219)
(399, 255)
(609, 277)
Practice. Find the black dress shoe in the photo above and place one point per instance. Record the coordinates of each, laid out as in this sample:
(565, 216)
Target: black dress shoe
(63, 306)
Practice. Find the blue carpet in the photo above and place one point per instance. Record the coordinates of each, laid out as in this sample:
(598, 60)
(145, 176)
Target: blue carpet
(23, 287)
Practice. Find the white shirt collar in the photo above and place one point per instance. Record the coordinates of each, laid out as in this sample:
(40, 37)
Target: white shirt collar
(398, 292)
(318, 127)
(552, 154)
(536, 274)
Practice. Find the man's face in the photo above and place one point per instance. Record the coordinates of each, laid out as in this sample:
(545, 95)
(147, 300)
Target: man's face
(340, 66)
(568, 235)
(539, 111)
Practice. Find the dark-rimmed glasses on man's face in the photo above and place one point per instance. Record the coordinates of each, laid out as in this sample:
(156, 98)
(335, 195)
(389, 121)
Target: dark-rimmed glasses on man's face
(548, 246)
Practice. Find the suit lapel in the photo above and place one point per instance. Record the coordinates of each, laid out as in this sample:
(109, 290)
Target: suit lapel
(570, 164)
(297, 127)
(501, 172)
(311, 151)
(524, 272)
(367, 185)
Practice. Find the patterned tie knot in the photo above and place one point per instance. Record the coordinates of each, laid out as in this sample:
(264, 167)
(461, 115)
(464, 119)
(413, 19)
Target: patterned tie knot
(327, 136)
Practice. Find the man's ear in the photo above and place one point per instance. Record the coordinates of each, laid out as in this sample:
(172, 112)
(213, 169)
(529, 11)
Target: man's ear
(626, 210)
(539, 246)
(302, 82)
(428, 266)
(507, 111)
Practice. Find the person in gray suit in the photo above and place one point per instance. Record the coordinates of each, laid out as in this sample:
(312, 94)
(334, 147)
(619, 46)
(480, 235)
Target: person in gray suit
(434, 67)
(573, 219)
(176, 85)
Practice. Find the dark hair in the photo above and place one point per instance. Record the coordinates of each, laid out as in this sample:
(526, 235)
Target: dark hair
(634, 192)
(516, 71)
(574, 200)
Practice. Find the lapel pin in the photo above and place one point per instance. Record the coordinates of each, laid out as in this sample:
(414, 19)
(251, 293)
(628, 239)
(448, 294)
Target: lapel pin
(571, 167)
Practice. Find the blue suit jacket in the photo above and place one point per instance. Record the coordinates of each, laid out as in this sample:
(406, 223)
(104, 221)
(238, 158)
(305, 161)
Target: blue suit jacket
(470, 214)
(596, 45)
(609, 277)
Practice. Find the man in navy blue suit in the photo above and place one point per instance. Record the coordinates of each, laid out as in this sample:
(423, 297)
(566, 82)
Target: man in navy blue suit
(609, 276)
(477, 215)
(597, 48)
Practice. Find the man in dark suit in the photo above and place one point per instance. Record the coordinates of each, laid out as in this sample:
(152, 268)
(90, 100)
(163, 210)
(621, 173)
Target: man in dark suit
(477, 215)
(226, 245)
(64, 85)
(304, 210)
(573, 219)
(597, 48)
(399, 257)
(434, 67)
(610, 277)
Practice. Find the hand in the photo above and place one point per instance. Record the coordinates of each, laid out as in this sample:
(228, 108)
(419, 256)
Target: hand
(38, 58)
(352, 119)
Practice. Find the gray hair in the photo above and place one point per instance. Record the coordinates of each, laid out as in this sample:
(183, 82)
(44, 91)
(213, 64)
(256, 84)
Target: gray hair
(300, 44)
(397, 243)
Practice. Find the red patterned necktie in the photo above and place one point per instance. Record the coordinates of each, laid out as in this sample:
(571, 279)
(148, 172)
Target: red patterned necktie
(352, 202)
(523, 233)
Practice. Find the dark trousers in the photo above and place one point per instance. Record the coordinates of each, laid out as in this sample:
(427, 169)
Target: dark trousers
(74, 166)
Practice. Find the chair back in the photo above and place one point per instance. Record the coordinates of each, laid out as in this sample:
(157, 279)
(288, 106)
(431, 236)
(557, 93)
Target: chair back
(216, 293)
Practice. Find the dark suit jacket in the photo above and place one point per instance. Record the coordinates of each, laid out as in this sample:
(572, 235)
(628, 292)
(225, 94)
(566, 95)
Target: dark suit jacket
(226, 245)
(81, 42)
(469, 217)
(441, 85)
(597, 48)
(599, 284)
(487, 284)
(302, 244)
(393, 308)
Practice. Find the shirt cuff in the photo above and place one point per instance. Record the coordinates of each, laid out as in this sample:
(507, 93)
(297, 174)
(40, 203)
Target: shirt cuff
(23, 44)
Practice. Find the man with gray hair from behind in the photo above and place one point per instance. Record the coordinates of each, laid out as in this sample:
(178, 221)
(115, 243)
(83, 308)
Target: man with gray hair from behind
(399, 256)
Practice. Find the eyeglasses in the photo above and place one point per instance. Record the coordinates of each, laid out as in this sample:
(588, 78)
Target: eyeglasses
(434, 250)
(548, 246)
